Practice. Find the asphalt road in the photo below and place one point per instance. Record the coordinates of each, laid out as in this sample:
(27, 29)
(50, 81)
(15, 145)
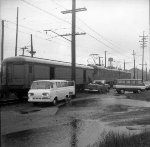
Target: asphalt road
(78, 123)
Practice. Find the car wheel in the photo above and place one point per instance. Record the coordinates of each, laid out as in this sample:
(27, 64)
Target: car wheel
(119, 91)
(55, 101)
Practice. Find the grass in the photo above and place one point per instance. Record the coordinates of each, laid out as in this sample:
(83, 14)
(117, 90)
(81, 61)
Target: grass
(112, 139)
(144, 96)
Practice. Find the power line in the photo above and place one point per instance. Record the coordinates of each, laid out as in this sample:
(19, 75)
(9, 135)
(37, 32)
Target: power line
(45, 11)
(65, 21)
(92, 30)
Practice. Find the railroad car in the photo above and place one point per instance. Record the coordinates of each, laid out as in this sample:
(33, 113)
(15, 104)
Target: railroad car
(19, 72)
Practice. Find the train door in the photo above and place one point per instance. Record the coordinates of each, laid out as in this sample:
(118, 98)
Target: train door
(84, 76)
(52, 73)
(30, 74)
(8, 74)
(3, 74)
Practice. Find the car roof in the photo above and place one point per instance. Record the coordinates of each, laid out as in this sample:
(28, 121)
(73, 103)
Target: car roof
(50, 81)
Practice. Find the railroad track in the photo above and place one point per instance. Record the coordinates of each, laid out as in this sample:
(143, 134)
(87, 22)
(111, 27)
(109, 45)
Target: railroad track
(12, 101)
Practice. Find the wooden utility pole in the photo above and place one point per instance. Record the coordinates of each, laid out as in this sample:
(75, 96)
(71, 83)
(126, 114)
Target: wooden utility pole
(146, 70)
(73, 34)
(100, 60)
(16, 33)
(134, 63)
(32, 52)
(143, 41)
(137, 73)
(2, 42)
(124, 65)
(105, 59)
(73, 43)
(23, 49)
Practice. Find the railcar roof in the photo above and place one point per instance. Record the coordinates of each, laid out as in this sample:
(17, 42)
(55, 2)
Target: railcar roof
(50, 81)
(130, 79)
(20, 59)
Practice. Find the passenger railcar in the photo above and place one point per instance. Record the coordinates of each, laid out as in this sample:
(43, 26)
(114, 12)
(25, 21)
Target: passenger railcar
(19, 72)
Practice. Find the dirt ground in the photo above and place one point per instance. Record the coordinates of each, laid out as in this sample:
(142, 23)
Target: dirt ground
(76, 123)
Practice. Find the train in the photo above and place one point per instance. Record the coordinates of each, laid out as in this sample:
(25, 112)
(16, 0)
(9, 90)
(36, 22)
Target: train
(18, 73)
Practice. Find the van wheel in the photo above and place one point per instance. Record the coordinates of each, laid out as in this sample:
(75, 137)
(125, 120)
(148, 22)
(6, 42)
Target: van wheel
(122, 91)
(67, 99)
(55, 101)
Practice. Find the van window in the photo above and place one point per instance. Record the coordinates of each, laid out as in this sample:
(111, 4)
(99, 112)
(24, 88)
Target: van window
(41, 85)
(70, 83)
(58, 84)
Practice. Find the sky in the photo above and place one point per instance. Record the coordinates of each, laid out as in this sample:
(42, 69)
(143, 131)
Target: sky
(110, 25)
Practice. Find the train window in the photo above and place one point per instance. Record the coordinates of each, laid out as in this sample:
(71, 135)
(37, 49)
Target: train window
(30, 68)
(127, 81)
(133, 82)
(4, 69)
(139, 81)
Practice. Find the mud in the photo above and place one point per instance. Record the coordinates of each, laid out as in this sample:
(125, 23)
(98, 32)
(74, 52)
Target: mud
(77, 123)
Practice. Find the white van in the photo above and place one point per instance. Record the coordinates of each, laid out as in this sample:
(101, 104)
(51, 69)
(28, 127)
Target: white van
(50, 91)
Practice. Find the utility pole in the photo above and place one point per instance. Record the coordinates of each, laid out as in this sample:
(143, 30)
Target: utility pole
(100, 60)
(134, 63)
(143, 45)
(73, 42)
(105, 59)
(146, 70)
(2, 51)
(124, 65)
(23, 49)
(143, 71)
(32, 52)
(16, 33)
(2, 42)
(137, 73)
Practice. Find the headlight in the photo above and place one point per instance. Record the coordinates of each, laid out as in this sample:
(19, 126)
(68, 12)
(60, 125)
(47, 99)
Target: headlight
(30, 94)
(45, 94)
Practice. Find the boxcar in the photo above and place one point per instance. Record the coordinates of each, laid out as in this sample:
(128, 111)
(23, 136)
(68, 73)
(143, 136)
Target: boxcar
(19, 72)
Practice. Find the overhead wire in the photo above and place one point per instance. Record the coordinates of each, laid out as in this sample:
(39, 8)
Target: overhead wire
(94, 32)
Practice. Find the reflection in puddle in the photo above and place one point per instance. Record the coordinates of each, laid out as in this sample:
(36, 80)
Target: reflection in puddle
(74, 132)
(29, 111)
(83, 103)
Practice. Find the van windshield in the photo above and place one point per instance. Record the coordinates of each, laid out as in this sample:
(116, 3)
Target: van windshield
(42, 85)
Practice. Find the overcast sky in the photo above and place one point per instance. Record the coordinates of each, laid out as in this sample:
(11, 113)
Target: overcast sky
(110, 25)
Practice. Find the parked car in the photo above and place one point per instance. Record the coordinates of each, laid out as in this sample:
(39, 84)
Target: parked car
(98, 86)
(135, 85)
(147, 84)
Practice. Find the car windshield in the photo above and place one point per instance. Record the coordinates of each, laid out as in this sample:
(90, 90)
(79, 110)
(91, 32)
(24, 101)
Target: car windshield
(97, 82)
(42, 85)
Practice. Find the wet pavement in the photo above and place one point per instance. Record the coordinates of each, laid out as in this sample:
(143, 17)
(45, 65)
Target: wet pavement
(79, 123)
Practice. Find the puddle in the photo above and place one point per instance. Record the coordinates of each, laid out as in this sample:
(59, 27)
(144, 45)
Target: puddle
(74, 133)
(117, 108)
(83, 103)
(29, 111)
